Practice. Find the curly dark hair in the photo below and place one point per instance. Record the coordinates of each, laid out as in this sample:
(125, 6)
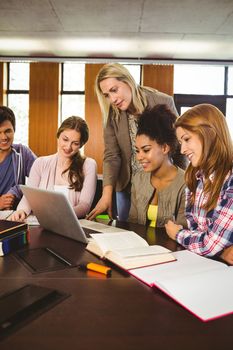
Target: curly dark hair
(75, 170)
(158, 124)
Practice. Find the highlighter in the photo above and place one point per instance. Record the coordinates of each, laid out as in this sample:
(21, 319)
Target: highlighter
(97, 268)
(103, 217)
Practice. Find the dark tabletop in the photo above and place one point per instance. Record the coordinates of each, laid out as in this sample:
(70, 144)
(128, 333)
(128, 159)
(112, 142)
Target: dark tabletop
(105, 313)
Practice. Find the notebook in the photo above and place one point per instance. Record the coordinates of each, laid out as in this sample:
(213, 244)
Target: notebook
(55, 213)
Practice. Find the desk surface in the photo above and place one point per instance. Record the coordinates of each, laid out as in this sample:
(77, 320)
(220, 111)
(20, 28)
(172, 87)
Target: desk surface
(106, 313)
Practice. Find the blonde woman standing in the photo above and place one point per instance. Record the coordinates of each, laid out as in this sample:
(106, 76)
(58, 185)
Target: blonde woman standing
(122, 101)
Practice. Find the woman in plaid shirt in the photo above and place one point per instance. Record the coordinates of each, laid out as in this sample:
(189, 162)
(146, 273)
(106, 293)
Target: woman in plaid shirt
(205, 139)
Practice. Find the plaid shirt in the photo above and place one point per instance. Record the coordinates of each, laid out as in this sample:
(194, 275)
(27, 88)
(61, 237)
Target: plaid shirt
(210, 232)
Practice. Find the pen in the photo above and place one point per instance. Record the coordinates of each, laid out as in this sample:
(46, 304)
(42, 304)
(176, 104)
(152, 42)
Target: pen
(58, 256)
(96, 267)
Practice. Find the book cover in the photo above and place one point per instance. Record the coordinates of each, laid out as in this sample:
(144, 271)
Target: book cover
(13, 242)
(8, 227)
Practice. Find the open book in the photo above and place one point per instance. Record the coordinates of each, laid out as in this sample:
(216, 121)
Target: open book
(127, 250)
(201, 285)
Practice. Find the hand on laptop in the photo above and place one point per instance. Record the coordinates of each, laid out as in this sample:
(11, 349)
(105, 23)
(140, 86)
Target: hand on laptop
(102, 206)
(18, 215)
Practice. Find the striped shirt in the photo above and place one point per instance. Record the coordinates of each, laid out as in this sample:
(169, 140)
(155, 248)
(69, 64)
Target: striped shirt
(210, 232)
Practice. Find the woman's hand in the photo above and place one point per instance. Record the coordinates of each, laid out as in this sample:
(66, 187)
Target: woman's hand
(18, 215)
(227, 255)
(172, 229)
(104, 204)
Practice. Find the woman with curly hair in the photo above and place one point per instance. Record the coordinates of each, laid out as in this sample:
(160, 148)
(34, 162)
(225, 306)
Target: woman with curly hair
(158, 191)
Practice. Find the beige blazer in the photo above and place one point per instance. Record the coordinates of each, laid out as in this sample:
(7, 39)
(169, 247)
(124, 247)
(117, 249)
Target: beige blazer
(171, 200)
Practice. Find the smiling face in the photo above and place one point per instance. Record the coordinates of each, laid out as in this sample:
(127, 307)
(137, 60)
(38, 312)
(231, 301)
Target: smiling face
(117, 93)
(69, 143)
(6, 136)
(150, 154)
(191, 145)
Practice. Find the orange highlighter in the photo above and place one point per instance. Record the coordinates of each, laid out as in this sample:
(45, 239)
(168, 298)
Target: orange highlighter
(97, 268)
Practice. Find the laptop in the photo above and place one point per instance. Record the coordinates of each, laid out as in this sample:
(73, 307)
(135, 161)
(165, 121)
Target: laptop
(55, 213)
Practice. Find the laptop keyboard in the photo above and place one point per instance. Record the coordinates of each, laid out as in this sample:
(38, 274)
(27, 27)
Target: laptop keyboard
(88, 231)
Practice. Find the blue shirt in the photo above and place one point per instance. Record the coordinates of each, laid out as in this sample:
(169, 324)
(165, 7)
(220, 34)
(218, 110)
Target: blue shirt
(6, 175)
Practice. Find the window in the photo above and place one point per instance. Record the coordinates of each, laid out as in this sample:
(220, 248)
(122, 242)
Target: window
(195, 84)
(197, 79)
(229, 114)
(230, 81)
(73, 90)
(135, 71)
(18, 99)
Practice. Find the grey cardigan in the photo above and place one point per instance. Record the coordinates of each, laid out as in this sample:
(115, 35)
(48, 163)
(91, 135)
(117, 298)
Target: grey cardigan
(117, 153)
(171, 200)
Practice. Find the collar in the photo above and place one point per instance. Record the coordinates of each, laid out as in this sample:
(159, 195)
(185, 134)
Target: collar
(200, 175)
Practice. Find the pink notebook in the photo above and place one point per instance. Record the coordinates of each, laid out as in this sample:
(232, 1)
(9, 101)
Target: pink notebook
(201, 285)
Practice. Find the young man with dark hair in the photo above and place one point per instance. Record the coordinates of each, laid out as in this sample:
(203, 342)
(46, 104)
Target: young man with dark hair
(15, 161)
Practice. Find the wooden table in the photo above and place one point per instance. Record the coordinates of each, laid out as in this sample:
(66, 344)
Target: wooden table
(106, 313)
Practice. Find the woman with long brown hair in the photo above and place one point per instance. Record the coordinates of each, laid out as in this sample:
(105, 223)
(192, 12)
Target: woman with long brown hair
(67, 171)
(205, 139)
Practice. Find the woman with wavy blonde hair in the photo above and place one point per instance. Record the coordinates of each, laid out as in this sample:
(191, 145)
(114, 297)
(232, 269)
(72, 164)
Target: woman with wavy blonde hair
(205, 140)
(122, 101)
(122, 74)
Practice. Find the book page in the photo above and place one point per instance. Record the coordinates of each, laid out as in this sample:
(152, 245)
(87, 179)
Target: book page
(187, 263)
(32, 220)
(208, 294)
(136, 261)
(201, 285)
(94, 248)
(142, 251)
(99, 227)
(117, 241)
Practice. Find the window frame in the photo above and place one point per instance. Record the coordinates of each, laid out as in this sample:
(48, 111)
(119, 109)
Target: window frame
(190, 100)
(68, 92)
(183, 100)
(13, 91)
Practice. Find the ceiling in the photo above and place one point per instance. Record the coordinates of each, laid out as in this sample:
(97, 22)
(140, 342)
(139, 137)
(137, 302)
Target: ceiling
(110, 29)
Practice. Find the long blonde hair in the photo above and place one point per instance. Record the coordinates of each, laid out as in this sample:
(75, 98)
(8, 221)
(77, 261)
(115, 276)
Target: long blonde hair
(119, 72)
(209, 124)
